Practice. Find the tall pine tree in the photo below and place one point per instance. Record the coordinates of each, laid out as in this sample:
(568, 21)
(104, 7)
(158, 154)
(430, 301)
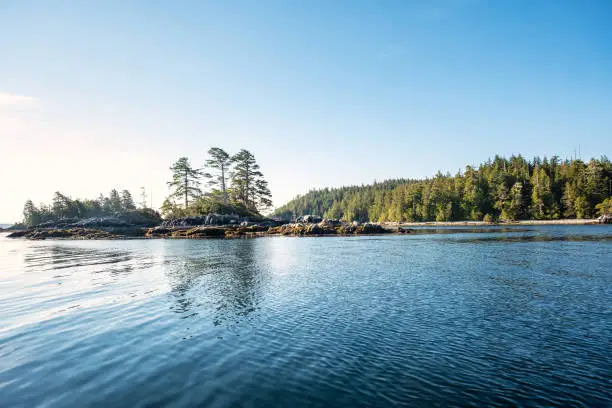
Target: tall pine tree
(185, 181)
(248, 185)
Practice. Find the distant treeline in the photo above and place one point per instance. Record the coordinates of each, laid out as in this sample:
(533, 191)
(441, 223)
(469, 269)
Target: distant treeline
(65, 207)
(500, 189)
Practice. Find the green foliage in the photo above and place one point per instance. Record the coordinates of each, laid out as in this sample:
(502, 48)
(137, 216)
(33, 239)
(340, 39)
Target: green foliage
(506, 189)
(114, 201)
(206, 205)
(185, 181)
(605, 207)
(237, 187)
(220, 162)
(488, 219)
(127, 202)
(143, 198)
(248, 184)
(65, 207)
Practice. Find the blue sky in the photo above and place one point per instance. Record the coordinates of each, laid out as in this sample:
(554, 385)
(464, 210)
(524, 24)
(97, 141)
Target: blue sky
(96, 95)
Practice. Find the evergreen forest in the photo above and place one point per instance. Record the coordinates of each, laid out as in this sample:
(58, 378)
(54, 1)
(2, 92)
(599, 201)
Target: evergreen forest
(500, 189)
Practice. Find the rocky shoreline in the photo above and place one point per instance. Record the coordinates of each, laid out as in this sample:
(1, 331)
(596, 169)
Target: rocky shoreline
(209, 226)
(204, 231)
(220, 226)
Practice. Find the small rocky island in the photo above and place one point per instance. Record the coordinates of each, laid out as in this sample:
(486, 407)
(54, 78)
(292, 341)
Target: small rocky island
(148, 224)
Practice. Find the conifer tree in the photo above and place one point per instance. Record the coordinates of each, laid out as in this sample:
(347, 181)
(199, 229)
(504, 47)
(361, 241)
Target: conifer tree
(127, 202)
(185, 181)
(248, 184)
(220, 162)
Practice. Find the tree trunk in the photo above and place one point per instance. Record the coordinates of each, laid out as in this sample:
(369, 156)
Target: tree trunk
(223, 188)
(246, 188)
(186, 191)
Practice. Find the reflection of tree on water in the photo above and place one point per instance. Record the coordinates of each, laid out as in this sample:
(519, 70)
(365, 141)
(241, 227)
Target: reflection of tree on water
(226, 279)
(186, 276)
(241, 287)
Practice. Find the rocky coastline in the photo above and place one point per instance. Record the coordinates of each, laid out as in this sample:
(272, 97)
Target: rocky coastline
(133, 225)
(139, 225)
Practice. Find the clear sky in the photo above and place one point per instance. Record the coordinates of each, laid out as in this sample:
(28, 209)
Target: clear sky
(103, 94)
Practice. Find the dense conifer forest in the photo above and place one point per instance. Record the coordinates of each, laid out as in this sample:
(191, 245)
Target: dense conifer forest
(499, 189)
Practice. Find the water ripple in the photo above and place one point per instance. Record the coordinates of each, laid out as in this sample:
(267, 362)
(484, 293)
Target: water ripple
(498, 318)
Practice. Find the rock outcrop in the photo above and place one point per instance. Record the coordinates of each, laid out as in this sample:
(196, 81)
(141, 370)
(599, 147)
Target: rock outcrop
(209, 219)
(605, 219)
(136, 225)
(234, 231)
(309, 219)
(326, 227)
(132, 218)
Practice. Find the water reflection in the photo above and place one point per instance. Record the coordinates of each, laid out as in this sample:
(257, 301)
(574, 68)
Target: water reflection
(223, 279)
(241, 286)
(57, 256)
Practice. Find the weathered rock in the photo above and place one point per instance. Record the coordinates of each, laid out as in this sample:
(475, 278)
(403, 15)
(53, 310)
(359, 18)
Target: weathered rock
(158, 231)
(326, 222)
(605, 219)
(209, 219)
(132, 218)
(323, 229)
(309, 219)
(248, 231)
(370, 228)
(200, 232)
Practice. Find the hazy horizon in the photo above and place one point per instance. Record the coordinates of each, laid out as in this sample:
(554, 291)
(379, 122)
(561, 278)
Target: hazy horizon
(107, 95)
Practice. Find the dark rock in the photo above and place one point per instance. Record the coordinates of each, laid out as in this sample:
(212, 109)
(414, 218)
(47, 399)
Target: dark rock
(17, 234)
(369, 228)
(323, 229)
(132, 218)
(309, 219)
(202, 232)
(159, 231)
(184, 222)
(330, 223)
(209, 219)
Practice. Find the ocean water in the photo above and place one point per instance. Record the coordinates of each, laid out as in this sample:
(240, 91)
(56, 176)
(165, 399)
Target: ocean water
(491, 318)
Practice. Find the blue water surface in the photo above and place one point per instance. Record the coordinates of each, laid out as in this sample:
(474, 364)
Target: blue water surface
(490, 318)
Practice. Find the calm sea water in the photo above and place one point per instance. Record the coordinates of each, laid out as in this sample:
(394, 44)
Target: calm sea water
(496, 319)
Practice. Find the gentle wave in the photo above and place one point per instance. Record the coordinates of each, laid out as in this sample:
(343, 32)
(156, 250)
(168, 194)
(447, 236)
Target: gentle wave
(502, 318)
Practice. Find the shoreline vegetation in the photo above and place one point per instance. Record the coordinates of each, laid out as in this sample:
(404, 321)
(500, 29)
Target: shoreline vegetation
(501, 192)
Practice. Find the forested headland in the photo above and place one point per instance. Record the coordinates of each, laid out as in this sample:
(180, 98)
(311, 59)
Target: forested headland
(225, 184)
(499, 189)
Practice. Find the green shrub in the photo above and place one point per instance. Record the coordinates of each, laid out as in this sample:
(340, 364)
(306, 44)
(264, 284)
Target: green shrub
(488, 219)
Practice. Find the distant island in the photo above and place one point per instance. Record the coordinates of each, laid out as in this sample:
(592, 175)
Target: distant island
(512, 190)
